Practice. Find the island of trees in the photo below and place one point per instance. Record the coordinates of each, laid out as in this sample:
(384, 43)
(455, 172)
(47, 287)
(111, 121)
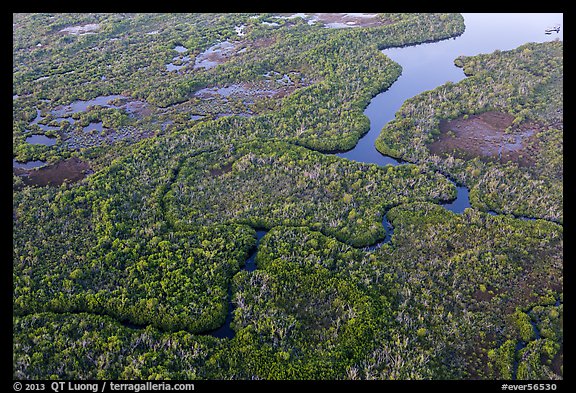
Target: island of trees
(185, 134)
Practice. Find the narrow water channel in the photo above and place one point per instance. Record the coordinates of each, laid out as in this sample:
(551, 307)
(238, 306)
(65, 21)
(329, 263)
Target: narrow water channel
(225, 331)
(389, 232)
(425, 67)
(429, 65)
(523, 344)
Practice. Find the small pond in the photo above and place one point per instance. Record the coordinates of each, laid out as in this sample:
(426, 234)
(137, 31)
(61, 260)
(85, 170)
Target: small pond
(37, 139)
(28, 164)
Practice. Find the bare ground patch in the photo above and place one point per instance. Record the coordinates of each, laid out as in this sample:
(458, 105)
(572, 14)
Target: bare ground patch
(71, 170)
(485, 136)
(222, 170)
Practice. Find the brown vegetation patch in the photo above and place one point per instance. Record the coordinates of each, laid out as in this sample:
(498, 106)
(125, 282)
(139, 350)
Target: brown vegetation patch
(262, 42)
(528, 289)
(485, 136)
(486, 295)
(219, 171)
(71, 170)
(558, 361)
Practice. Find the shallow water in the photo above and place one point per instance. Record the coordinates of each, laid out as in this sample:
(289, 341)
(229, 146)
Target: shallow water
(427, 66)
(94, 126)
(37, 139)
(28, 164)
(240, 30)
(81, 106)
(172, 67)
(214, 55)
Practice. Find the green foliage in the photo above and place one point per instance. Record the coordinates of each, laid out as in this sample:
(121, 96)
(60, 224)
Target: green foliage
(441, 259)
(317, 308)
(524, 326)
(530, 366)
(177, 280)
(334, 72)
(503, 359)
(270, 184)
(526, 83)
(83, 346)
(158, 234)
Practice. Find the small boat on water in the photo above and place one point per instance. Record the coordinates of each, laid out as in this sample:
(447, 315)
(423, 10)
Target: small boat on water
(555, 28)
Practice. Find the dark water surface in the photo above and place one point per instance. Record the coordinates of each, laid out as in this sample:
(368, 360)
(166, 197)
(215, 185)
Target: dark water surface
(225, 331)
(28, 165)
(461, 202)
(37, 139)
(427, 66)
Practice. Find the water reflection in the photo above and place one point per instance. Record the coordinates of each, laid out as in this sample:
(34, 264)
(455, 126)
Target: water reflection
(427, 66)
(28, 164)
(37, 139)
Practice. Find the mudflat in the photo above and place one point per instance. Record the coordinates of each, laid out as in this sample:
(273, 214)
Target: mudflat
(71, 170)
(485, 136)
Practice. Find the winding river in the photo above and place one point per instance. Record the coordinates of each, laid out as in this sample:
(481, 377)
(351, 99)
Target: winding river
(425, 67)
(225, 331)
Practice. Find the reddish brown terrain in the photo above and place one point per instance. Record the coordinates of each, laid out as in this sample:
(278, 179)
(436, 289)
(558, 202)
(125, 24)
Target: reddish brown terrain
(71, 170)
(485, 136)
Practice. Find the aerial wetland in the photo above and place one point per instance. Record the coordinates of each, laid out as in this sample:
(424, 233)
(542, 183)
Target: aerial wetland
(288, 196)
